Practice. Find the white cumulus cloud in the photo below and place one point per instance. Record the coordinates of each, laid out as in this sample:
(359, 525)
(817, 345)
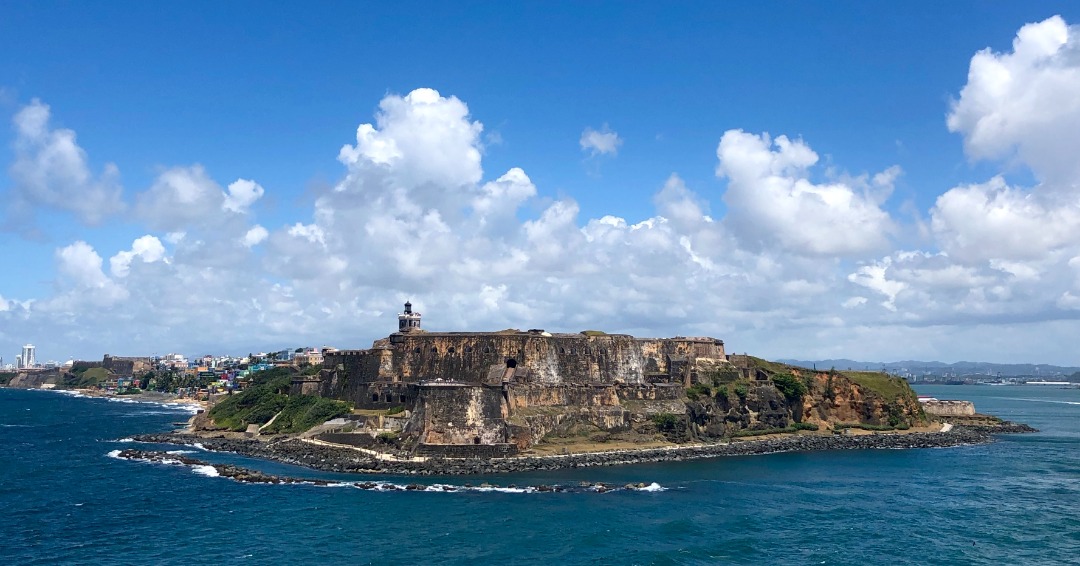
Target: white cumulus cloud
(600, 142)
(52, 170)
(255, 236)
(242, 194)
(147, 248)
(773, 202)
(1024, 103)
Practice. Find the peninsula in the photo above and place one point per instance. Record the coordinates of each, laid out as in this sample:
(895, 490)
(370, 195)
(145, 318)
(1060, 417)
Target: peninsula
(474, 402)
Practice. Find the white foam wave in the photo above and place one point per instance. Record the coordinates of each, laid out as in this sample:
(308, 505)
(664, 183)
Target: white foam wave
(14, 425)
(449, 488)
(496, 489)
(199, 446)
(178, 452)
(114, 454)
(188, 407)
(208, 471)
(127, 439)
(68, 392)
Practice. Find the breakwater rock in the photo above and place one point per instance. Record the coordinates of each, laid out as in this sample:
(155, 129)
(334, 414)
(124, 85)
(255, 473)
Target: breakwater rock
(246, 475)
(338, 459)
(1004, 427)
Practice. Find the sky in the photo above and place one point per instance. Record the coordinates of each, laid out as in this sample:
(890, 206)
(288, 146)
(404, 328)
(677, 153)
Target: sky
(799, 179)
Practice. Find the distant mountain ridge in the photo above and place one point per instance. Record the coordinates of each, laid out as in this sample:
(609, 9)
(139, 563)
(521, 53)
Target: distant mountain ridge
(959, 368)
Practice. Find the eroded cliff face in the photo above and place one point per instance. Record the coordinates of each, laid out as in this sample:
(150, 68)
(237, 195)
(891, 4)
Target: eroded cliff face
(34, 379)
(827, 400)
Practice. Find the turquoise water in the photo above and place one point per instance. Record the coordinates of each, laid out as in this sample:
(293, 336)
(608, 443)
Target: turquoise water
(1016, 501)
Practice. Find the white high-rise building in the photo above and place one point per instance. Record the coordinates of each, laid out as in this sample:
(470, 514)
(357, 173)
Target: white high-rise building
(18, 361)
(28, 360)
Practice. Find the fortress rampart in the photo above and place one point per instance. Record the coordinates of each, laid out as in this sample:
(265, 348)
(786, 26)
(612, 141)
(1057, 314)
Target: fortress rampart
(511, 387)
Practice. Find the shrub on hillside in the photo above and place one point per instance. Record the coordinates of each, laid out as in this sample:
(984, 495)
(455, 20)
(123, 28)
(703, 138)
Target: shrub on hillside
(790, 386)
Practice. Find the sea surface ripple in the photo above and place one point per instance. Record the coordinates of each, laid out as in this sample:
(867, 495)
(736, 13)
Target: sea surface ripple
(1014, 501)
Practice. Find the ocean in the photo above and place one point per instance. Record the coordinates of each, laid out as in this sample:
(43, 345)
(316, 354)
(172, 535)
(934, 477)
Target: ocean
(66, 500)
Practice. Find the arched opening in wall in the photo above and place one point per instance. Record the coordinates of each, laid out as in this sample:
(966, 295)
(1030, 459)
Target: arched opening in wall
(476, 440)
(562, 350)
(511, 363)
(450, 350)
(468, 349)
(487, 350)
(374, 397)
(401, 398)
(434, 350)
(416, 350)
(387, 398)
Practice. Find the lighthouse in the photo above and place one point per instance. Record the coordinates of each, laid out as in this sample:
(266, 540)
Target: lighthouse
(408, 320)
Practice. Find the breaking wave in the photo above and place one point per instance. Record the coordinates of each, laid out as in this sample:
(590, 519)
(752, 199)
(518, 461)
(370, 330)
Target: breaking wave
(205, 470)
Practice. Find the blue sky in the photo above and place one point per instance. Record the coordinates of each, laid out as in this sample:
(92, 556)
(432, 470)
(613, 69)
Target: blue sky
(271, 93)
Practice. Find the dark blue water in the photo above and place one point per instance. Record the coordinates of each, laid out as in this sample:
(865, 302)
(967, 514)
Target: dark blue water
(1017, 501)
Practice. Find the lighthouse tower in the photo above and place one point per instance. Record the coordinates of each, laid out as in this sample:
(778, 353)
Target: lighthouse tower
(408, 320)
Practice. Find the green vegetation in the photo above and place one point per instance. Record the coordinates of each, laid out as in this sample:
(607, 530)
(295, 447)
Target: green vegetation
(873, 427)
(885, 385)
(790, 386)
(267, 396)
(594, 333)
(84, 377)
(302, 412)
(395, 410)
(741, 389)
(788, 429)
(665, 421)
(698, 390)
(773, 367)
(6, 377)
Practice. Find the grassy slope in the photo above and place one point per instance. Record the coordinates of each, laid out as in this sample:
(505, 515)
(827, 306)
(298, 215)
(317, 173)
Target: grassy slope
(267, 396)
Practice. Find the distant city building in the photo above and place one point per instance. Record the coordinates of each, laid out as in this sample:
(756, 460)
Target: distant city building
(28, 356)
(18, 362)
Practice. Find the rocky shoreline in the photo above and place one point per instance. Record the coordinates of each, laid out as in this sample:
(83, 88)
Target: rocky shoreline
(335, 459)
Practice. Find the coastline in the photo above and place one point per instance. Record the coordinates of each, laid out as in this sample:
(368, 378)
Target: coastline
(337, 458)
(151, 397)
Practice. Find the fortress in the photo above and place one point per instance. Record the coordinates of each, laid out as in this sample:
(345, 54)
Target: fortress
(492, 393)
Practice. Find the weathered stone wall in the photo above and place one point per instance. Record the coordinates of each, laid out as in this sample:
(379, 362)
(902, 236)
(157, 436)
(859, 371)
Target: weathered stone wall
(459, 414)
(309, 386)
(125, 366)
(465, 388)
(949, 408)
(533, 357)
(360, 440)
(467, 450)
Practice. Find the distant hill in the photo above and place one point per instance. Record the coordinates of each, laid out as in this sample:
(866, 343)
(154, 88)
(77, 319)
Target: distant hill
(959, 368)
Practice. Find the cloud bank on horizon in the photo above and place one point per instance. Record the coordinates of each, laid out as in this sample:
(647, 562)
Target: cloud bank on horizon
(806, 262)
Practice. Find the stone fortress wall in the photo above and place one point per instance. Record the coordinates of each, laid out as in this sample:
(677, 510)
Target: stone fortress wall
(949, 408)
(512, 387)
